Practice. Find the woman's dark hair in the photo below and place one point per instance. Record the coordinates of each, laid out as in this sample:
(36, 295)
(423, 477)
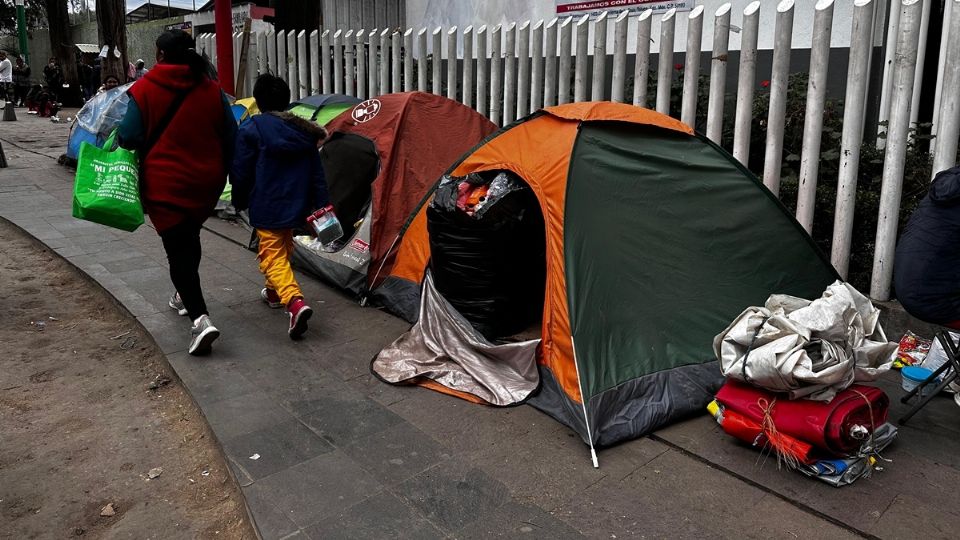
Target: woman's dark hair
(271, 93)
(178, 47)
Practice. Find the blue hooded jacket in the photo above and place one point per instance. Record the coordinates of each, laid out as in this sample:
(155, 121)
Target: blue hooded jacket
(926, 266)
(277, 172)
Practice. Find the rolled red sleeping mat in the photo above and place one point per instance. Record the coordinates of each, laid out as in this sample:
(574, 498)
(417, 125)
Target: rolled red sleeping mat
(752, 433)
(829, 425)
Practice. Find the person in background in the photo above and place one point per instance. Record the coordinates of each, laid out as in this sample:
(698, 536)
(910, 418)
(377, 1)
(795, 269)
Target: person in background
(84, 74)
(53, 76)
(96, 75)
(108, 84)
(21, 82)
(277, 174)
(180, 123)
(141, 69)
(6, 77)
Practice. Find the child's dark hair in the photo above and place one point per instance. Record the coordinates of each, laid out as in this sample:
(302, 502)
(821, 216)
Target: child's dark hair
(271, 93)
(179, 47)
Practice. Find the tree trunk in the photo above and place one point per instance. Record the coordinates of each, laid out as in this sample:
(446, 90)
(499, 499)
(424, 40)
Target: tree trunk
(111, 19)
(64, 50)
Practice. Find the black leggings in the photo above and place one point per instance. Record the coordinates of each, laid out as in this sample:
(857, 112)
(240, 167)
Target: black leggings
(182, 244)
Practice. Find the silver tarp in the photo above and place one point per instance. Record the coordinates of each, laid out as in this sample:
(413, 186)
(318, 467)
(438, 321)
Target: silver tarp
(806, 348)
(444, 347)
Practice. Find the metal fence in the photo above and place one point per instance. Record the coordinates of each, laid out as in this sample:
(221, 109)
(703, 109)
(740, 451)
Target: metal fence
(511, 70)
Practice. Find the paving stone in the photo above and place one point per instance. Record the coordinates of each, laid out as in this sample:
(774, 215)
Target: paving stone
(131, 261)
(344, 418)
(212, 378)
(279, 446)
(319, 488)
(453, 494)
(170, 331)
(715, 505)
(243, 414)
(514, 520)
(380, 516)
(397, 453)
(272, 523)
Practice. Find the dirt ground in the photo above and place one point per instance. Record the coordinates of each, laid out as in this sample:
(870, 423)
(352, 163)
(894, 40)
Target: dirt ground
(79, 426)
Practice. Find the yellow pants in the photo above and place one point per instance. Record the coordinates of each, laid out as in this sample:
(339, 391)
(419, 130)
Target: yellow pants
(276, 248)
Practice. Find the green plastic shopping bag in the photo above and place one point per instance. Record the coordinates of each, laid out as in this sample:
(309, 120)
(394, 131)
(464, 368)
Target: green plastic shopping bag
(107, 186)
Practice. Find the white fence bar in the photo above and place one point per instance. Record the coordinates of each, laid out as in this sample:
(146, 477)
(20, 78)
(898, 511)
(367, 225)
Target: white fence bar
(292, 72)
(691, 68)
(895, 156)
(523, 70)
(272, 53)
(436, 59)
(563, 71)
(282, 55)
(510, 75)
(262, 61)
(252, 63)
(665, 73)
(942, 58)
(496, 80)
(921, 60)
(315, 66)
(408, 60)
(582, 57)
(422, 64)
(396, 62)
(536, 67)
(886, 89)
(813, 120)
(452, 63)
(361, 58)
(303, 65)
(745, 83)
(237, 45)
(373, 85)
(861, 41)
(641, 66)
(619, 78)
(550, 64)
(949, 132)
(348, 58)
(599, 58)
(718, 73)
(483, 71)
(385, 87)
(333, 78)
(773, 156)
(466, 92)
(327, 74)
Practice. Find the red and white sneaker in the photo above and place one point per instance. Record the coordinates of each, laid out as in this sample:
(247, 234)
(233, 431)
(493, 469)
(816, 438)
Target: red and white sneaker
(299, 313)
(271, 298)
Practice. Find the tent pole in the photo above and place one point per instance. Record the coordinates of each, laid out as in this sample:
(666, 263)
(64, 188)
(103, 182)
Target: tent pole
(583, 403)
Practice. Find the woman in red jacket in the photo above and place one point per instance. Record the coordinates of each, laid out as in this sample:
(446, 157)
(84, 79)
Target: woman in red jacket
(181, 125)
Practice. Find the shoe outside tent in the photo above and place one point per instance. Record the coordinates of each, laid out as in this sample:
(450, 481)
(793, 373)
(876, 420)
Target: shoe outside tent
(653, 240)
(381, 159)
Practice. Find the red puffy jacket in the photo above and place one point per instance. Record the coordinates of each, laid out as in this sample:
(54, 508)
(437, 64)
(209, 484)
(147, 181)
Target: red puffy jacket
(184, 173)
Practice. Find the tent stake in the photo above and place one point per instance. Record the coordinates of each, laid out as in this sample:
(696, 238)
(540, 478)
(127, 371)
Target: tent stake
(583, 403)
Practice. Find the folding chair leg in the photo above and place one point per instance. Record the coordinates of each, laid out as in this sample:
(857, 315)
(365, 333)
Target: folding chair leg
(926, 398)
(919, 388)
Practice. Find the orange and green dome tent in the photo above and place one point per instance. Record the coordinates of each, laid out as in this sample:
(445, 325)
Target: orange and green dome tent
(655, 239)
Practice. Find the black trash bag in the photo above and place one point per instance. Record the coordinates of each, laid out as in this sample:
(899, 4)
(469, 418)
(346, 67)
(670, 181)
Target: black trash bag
(489, 260)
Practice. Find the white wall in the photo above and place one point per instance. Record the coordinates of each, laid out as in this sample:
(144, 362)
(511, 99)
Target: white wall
(446, 13)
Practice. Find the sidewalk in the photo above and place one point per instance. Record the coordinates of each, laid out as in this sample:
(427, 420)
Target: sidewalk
(344, 455)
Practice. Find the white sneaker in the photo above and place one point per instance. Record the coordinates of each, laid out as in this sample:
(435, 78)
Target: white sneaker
(203, 334)
(176, 304)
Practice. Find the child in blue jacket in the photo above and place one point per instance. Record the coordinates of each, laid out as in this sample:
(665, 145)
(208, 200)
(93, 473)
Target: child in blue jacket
(277, 175)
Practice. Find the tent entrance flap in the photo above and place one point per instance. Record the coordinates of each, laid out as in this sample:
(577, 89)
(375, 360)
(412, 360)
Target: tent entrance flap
(351, 164)
(444, 348)
(488, 251)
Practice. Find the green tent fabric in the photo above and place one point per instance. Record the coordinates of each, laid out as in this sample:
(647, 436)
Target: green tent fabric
(683, 238)
(322, 108)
